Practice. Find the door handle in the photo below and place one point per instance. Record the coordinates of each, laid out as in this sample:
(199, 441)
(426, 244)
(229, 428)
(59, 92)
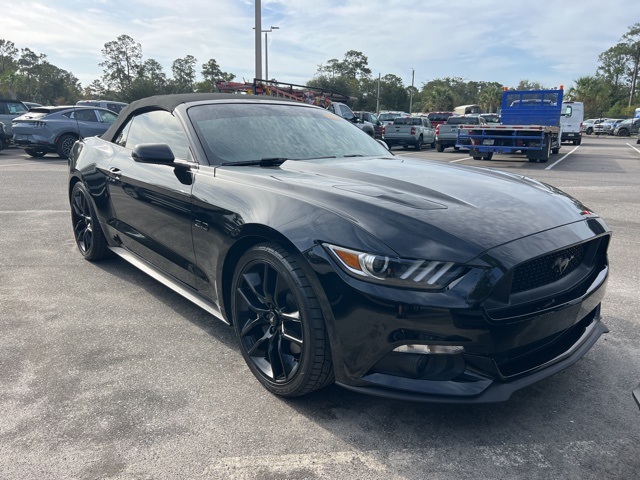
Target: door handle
(116, 172)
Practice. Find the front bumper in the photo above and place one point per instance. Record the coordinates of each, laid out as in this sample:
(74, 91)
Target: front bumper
(509, 343)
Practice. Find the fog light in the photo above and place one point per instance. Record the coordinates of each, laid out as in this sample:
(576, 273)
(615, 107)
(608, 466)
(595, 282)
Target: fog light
(430, 349)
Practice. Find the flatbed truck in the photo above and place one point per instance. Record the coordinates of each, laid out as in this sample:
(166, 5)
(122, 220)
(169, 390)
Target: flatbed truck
(530, 124)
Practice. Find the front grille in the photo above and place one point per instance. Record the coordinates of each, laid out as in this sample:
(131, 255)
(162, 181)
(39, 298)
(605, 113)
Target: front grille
(547, 269)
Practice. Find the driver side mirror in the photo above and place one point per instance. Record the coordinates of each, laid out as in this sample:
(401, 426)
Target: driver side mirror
(157, 153)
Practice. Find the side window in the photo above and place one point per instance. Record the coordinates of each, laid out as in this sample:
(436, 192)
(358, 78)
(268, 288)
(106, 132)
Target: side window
(85, 116)
(106, 117)
(157, 126)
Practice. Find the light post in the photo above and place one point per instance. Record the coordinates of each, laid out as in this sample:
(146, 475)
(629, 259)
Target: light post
(266, 52)
(411, 92)
(257, 29)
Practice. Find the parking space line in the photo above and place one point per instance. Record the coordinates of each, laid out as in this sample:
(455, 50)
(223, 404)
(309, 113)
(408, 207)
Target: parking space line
(459, 160)
(557, 162)
(637, 150)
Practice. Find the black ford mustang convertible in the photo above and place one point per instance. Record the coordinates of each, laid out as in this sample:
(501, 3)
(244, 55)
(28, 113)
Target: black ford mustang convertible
(336, 261)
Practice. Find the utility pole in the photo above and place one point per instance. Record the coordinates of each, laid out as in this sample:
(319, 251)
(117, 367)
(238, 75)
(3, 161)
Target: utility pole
(258, 37)
(378, 97)
(411, 92)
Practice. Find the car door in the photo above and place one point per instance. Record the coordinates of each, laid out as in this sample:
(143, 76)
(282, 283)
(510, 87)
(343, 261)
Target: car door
(430, 133)
(152, 202)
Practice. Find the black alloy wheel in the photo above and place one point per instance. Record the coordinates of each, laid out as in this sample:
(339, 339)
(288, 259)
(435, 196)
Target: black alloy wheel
(35, 153)
(279, 323)
(64, 145)
(86, 230)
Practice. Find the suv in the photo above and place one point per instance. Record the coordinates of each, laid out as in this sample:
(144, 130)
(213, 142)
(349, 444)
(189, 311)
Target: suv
(343, 110)
(10, 109)
(56, 129)
(378, 128)
(108, 104)
(628, 127)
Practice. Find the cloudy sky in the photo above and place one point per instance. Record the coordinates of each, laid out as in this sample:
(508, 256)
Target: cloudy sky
(549, 41)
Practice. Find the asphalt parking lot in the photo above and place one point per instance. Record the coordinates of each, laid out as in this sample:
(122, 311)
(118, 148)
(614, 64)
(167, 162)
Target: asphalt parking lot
(105, 373)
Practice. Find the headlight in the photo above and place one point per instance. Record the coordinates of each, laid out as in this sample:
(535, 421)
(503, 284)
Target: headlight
(400, 272)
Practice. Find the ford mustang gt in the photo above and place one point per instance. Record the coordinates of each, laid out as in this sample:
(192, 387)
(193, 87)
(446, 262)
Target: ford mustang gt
(336, 261)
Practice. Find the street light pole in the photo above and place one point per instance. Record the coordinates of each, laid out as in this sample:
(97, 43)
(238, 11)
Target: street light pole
(411, 93)
(266, 52)
(258, 38)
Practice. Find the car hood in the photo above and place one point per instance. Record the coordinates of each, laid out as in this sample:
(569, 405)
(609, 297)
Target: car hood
(426, 209)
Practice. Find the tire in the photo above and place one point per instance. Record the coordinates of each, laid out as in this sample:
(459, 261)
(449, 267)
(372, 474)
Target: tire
(477, 158)
(432, 144)
(439, 147)
(87, 231)
(547, 151)
(64, 145)
(35, 153)
(456, 148)
(279, 323)
(555, 151)
(589, 131)
(488, 156)
(420, 143)
(623, 132)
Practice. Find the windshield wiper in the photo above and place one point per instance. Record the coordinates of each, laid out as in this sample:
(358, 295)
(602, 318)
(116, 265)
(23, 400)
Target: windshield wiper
(263, 162)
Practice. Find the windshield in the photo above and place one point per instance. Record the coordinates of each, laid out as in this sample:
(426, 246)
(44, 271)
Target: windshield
(250, 132)
(388, 117)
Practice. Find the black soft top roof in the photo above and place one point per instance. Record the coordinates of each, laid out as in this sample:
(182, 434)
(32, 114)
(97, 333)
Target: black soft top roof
(169, 103)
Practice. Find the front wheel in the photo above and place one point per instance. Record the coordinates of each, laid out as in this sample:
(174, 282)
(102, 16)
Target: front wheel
(86, 229)
(279, 323)
(623, 132)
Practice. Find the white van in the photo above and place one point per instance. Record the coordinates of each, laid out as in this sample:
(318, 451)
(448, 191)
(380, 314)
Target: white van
(571, 122)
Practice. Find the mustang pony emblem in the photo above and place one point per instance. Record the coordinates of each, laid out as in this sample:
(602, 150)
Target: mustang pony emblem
(561, 264)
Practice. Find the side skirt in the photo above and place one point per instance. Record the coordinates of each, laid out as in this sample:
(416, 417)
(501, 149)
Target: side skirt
(175, 285)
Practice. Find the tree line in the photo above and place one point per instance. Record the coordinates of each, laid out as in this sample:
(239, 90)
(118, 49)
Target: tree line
(126, 76)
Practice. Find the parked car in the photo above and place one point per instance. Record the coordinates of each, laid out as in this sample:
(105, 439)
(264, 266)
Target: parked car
(5, 138)
(372, 118)
(607, 126)
(10, 109)
(344, 111)
(334, 260)
(31, 105)
(410, 131)
(387, 117)
(490, 117)
(589, 123)
(437, 118)
(447, 133)
(45, 130)
(108, 104)
(627, 127)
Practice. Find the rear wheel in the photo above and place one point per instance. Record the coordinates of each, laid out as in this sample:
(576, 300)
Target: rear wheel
(35, 153)
(488, 156)
(439, 147)
(420, 143)
(279, 323)
(64, 145)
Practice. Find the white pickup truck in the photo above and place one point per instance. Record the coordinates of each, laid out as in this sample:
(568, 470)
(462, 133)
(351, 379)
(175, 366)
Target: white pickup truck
(410, 131)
